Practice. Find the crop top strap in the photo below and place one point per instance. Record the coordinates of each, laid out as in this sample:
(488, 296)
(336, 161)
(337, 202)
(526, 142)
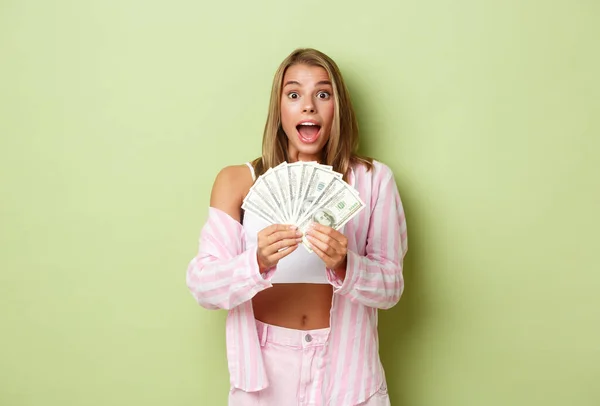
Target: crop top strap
(251, 171)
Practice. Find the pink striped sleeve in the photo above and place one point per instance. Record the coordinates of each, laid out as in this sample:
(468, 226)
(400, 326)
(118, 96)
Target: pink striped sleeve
(223, 275)
(376, 280)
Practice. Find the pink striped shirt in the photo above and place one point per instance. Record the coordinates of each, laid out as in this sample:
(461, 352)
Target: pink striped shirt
(225, 275)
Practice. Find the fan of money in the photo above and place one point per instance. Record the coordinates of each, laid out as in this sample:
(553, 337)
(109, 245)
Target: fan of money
(301, 193)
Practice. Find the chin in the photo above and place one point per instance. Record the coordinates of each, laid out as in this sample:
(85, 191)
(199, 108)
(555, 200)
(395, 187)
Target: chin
(310, 149)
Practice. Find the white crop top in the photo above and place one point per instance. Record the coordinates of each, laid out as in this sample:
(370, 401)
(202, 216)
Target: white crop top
(298, 267)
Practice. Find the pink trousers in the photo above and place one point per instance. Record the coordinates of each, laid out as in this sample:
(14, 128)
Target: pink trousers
(294, 360)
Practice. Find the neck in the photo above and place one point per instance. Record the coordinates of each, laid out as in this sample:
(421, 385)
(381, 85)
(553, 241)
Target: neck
(295, 156)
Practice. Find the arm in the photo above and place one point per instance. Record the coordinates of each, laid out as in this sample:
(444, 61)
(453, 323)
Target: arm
(375, 279)
(223, 274)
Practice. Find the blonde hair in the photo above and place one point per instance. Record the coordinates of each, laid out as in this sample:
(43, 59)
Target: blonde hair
(340, 150)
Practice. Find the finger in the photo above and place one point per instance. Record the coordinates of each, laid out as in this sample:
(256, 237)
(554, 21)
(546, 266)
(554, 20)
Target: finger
(324, 257)
(282, 235)
(282, 254)
(326, 239)
(324, 229)
(282, 244)
(324, 247)
(334, 234)
(273, 228)
(267, 236)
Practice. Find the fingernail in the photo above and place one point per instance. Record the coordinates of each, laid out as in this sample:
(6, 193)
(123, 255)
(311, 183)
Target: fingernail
(299, 233)
(298, 239)
(293, 227)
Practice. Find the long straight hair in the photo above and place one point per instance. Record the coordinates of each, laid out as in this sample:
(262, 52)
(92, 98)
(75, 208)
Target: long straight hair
(341, 148)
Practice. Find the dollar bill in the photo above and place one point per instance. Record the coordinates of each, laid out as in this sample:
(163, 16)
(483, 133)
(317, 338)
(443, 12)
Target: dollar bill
(283, 183)
(304, 174)
(258, 210)
(320, 179)
(334, 211)
(294, 173)
(272, 185)
(301, 193)
(260, 196)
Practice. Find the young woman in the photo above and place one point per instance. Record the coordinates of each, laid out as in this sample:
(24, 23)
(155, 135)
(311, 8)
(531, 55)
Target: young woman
(302, 327)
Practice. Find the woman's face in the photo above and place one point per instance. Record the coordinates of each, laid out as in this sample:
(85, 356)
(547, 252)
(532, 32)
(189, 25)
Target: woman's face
(307, 108)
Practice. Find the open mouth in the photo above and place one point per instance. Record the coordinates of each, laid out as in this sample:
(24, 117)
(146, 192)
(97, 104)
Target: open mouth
(308, 131)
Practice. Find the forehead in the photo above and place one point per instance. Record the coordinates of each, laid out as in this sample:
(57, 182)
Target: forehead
(305, 74)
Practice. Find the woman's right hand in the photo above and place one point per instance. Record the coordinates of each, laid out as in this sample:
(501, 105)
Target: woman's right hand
(275, 242)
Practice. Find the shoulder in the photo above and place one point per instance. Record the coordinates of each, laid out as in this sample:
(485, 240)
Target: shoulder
(236, 174)
(229, 189)
(381, 168)
(378, 171)
(375, 184)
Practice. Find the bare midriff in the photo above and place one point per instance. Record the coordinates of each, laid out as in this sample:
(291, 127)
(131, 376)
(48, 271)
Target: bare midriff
(301, 306)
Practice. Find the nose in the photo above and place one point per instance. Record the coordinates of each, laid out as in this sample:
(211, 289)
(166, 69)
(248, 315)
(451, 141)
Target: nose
(309, 107)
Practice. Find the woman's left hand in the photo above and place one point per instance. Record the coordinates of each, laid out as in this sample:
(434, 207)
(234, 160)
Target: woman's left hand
(330, 245)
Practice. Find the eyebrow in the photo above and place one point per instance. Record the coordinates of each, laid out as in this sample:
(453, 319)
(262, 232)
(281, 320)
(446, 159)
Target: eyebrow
(294, 82)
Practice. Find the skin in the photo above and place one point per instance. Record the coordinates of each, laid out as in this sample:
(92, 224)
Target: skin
(307, 95)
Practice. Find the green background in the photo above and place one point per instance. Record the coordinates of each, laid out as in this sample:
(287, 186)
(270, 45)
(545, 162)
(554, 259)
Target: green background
(117, 115)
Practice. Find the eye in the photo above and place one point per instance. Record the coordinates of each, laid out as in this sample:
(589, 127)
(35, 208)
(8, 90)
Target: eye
(323, 95)
(293, 95)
